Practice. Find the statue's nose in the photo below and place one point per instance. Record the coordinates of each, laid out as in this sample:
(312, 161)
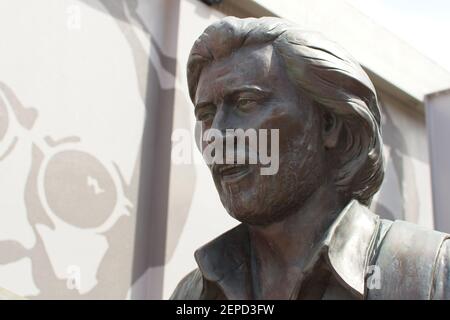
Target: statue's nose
(220, 121)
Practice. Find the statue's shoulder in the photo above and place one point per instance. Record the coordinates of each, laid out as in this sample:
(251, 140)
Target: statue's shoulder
(413, 262)
(190, 287)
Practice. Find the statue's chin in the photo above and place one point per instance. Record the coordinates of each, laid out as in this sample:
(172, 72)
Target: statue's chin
(258, 219)
(254, 216)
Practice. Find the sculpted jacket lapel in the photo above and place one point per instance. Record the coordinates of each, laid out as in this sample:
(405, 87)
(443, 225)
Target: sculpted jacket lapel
(350, 242)
(225, 261)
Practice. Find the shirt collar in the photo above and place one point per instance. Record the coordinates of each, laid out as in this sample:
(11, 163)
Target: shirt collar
(346, 246)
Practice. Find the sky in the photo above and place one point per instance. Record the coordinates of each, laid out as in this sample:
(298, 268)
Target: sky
(424, 24)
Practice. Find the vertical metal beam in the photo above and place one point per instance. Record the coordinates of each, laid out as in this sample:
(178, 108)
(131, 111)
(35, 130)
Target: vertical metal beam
(437, 110)
(153, 196)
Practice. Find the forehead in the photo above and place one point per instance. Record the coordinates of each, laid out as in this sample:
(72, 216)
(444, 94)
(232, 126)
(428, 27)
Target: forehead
(247, 66)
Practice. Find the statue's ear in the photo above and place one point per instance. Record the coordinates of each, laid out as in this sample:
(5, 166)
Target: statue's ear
(331, 129)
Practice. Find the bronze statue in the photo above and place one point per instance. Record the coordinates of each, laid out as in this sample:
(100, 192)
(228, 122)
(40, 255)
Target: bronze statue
(306, 231)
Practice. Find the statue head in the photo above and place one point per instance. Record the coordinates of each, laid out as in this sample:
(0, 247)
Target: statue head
(267, 73)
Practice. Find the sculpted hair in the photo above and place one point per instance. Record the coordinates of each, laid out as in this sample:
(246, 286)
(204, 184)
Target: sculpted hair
(327, 73)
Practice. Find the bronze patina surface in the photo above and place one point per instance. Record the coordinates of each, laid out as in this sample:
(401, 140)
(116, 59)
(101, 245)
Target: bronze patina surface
(306, 231)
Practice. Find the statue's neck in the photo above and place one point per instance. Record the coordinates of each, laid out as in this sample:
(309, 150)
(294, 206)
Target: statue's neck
(281, 249)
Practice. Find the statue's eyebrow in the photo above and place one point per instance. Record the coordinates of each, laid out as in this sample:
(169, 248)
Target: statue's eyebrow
(202, 104)
(246, 88)
(233, 92)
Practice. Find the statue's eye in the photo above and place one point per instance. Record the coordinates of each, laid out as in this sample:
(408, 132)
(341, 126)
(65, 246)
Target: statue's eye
(245, 104)
(206, 115)
(205, 112)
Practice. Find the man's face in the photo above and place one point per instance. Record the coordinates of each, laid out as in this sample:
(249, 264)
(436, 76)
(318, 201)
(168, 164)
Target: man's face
(251, 90)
